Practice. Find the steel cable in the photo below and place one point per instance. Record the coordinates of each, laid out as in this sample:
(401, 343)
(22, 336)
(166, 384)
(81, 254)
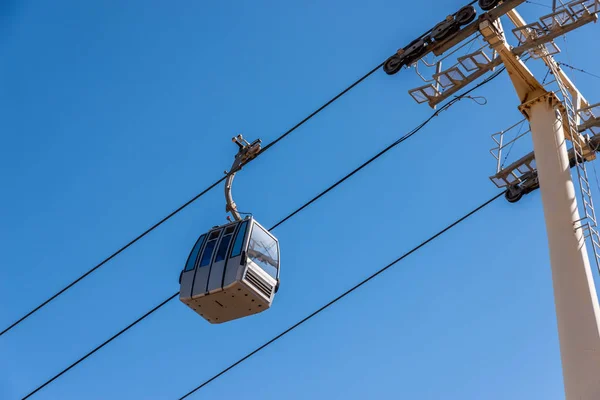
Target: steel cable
(346, 293)
(292, 214)
(192, 200)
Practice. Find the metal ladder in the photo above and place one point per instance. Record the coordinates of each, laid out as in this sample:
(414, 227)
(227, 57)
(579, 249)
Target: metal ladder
(588, 222)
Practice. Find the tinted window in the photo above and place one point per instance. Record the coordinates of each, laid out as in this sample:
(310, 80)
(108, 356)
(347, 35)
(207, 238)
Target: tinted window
(191, 262)
(208, 252)
(262, 249)
(239, 240)
(222, 252)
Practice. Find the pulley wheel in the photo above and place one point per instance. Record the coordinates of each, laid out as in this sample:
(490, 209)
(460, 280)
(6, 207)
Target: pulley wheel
(393, 64)
(513, 194)
(416, 45)
(466, 15)
(414, 51)
(487, 5)
(444, 29)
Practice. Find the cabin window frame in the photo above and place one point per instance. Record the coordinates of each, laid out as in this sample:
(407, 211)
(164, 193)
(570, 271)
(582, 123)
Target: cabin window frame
(243, 239)
(220, 247)
(265, 231)
(201, 240)
(212, 255)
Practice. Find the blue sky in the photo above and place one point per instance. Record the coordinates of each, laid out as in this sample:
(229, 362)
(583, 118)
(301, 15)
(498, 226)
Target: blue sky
(115, 113)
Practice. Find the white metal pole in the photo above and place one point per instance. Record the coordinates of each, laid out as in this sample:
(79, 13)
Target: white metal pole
(576, 301)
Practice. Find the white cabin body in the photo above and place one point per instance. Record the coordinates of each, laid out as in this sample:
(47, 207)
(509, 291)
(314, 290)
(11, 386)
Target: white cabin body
(231, 272)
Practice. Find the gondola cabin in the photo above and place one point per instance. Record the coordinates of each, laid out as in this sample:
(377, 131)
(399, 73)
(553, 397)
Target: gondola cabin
(231, 272)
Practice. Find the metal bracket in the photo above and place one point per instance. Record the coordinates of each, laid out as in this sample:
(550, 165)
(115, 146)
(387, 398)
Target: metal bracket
(453, 79)
(566, 19)
(590, 117)
(247, 153)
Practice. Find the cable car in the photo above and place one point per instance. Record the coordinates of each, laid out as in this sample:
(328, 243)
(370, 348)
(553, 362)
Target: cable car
(233, 270)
